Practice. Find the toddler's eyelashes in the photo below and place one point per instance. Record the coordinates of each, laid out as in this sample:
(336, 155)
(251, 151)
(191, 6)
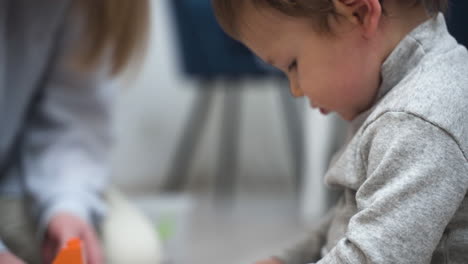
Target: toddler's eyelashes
(292, 65)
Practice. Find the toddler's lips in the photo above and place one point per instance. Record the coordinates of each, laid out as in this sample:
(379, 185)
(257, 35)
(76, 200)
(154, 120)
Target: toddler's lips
(324, 111)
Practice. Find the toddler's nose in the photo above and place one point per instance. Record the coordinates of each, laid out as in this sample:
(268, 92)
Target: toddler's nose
(295, 89)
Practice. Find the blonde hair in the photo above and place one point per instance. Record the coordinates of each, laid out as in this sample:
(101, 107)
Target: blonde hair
(121, 25)
(228, 11)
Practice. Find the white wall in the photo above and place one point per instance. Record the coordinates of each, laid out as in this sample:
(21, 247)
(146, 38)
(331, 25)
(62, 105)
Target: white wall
(151, 114)
(321, 142)
(151, 110)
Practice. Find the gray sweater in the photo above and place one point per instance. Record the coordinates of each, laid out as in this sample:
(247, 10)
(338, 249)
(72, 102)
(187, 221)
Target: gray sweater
(53, 149)
(404, 173)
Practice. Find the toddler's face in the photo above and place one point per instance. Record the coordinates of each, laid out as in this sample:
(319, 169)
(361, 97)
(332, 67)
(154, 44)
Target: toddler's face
(339, 73)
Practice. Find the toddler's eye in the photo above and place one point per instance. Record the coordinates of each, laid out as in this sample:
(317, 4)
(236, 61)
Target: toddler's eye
(293, 65)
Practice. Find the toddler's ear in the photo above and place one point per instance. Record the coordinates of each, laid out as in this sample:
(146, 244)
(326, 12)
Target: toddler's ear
(363, 13)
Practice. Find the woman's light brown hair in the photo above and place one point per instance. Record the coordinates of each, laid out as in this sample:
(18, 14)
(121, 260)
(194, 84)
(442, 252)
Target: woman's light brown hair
(118, 26)
(228, 11)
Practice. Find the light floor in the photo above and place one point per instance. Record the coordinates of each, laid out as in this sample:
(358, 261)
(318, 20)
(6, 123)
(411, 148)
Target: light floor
(210, 231)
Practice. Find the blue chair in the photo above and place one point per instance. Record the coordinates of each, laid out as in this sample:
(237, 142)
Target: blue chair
(208, 54)
(458, 20)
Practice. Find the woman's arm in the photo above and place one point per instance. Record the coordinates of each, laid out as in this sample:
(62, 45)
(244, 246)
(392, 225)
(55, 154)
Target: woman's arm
(65, 148)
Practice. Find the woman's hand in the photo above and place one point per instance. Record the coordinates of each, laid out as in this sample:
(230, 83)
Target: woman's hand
(269, 261)
(62, 228)
(8, 258)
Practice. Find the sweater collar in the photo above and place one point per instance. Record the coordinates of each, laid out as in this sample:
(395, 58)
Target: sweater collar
(405, 58)
(409, 52)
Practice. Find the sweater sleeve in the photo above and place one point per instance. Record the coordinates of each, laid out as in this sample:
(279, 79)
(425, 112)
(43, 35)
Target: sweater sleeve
(67, 141)
(309, 248)
(416, 180)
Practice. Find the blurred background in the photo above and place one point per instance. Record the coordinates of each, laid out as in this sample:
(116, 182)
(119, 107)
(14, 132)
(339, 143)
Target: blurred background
(211, 146)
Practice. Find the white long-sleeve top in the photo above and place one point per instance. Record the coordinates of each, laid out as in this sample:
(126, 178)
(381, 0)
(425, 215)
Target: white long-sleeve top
(54, 119)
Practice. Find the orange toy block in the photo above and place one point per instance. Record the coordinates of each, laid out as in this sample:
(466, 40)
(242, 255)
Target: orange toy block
(71, 254)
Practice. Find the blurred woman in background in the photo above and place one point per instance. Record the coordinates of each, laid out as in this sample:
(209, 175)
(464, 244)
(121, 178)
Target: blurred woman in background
(56, 59)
